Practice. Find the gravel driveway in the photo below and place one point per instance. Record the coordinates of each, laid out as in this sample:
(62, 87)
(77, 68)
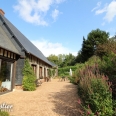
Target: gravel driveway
(53, 98)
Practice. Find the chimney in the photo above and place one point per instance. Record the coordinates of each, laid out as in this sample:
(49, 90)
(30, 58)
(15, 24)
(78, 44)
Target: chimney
(2, 12)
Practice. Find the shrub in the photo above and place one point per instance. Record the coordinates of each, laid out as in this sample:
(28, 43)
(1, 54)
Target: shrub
(108, 67)
(4, 113)
(107, 53)
(114, 107)
(29, 83)
(29, 77)
(94, 90)
(80, 66)
(72, 79)
(65, 70)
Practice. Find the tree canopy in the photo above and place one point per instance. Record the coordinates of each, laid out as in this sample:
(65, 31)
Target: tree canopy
(89, 45)
(62, 60)
(53, 58)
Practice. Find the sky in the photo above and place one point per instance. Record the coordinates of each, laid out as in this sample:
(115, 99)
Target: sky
(58, 26)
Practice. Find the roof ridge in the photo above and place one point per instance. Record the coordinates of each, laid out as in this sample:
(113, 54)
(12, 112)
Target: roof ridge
(28, 46)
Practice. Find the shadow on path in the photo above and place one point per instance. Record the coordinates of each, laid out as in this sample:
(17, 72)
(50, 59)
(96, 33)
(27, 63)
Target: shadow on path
(65, 101)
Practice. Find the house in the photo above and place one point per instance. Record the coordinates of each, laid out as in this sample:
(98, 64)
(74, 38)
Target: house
(14, 48)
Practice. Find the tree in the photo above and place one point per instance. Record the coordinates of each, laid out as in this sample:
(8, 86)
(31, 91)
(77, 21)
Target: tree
(106, 48)
(89, 46)
(78, 58)
(68, 61)
(87, 50)
(53, 58)
(61, 58)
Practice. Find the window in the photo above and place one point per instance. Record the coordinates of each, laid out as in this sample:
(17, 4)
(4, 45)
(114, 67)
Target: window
(34, 68)
(6, 75)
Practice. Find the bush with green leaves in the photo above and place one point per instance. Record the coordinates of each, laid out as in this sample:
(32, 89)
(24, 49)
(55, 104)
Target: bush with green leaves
(28, 77)
(72, 79)
(107, 53)
(108, 67)
(65, 70)
(80, 66)
(4, 113)
(114, 106)
(94, 89)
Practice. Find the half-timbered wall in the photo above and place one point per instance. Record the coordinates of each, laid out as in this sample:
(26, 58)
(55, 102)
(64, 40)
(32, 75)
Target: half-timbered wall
(8, 55)
(39, 67)
(7, 68)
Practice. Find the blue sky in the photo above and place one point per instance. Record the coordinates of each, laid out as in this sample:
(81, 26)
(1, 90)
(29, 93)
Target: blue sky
(58, 26)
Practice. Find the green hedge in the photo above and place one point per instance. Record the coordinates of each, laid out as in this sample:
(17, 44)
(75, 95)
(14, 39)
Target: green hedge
(66, 70)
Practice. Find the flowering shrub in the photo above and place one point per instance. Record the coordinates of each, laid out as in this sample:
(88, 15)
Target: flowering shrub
(107, 53)
(94, 89)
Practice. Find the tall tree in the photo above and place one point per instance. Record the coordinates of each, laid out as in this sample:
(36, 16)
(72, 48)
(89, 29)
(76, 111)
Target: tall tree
(96, 37)
(78, 58)
(89, 46)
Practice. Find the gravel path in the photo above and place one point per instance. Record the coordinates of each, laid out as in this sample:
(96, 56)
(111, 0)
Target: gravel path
(53, 98)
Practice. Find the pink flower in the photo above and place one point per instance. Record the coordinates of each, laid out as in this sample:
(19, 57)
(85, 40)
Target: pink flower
(88, 113)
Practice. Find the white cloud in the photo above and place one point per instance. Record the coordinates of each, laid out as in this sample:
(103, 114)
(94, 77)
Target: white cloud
(55, 14)
(48, 48)
(59, 1)
(34, 11)
(100, 11)
(98, 5)
(109, 10)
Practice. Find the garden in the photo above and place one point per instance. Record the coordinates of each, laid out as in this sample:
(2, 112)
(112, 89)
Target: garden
(94, 74)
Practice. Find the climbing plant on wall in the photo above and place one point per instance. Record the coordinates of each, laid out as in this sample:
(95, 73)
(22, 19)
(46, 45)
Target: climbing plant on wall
(28, 77)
